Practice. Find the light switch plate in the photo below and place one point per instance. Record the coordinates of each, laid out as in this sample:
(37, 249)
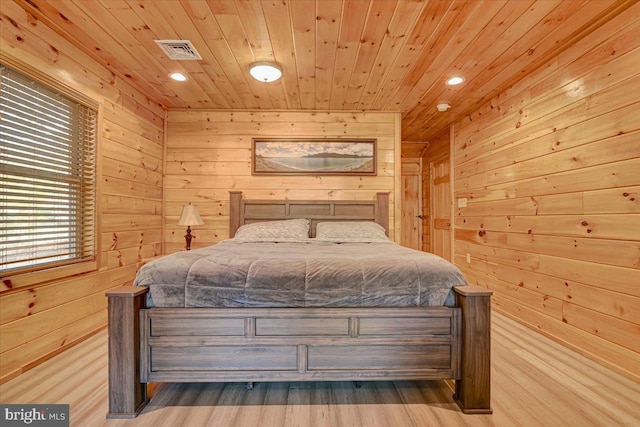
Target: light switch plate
(462, 202)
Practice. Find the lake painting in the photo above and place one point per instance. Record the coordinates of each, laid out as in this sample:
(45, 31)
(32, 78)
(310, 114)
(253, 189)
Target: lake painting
(316, 157)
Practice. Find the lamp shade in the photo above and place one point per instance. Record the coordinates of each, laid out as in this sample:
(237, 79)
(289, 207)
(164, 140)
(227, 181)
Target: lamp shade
(190, 216)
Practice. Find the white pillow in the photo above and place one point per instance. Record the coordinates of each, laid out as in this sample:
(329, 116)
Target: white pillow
(274, 231)
(351, 231)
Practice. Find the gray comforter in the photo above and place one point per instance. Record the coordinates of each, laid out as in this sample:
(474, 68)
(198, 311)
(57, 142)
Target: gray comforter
(312, 274)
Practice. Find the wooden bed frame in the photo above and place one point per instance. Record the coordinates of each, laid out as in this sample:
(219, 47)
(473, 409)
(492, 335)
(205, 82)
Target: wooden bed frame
(298, 344)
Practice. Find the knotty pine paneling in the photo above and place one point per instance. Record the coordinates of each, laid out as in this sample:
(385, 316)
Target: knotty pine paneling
(38, 320)
(209, 153)
(411, 225)
(551, 171)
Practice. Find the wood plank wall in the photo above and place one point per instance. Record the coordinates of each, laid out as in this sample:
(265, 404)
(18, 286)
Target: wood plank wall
(209, 153)
(551, 170)
(39, 320)
(411, 202)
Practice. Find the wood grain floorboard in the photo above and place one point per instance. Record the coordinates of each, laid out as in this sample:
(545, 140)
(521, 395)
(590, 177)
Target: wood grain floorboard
(535, 382)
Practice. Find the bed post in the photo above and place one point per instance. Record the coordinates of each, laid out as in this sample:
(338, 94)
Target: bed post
(382, 210)
(235, 206)
(473, 385)
(127, 395)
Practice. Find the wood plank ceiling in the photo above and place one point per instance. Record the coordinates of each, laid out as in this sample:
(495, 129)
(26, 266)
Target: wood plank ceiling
(336, 54)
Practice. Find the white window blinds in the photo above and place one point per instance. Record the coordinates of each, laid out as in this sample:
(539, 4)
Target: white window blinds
(47, 176)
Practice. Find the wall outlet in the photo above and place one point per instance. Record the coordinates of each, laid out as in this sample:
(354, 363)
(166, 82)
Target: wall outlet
(468, 258)
(462, 202)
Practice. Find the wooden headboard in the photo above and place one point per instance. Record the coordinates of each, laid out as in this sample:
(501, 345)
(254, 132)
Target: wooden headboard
(243, 211)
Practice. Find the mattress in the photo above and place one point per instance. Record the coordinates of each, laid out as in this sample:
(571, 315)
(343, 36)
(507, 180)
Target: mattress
(300, 274)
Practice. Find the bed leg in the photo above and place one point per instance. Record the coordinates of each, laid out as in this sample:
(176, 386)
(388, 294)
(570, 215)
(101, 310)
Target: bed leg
(357, 384)
(250, 385)
(473, 385)
(127, 395)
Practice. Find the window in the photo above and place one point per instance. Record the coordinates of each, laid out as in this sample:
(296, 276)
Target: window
(47, 176)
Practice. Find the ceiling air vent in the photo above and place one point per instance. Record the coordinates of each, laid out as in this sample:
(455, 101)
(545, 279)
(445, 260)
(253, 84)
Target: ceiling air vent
(179, 50)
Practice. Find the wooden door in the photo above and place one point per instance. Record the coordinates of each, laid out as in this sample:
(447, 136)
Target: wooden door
(411, 210)
(440, 218)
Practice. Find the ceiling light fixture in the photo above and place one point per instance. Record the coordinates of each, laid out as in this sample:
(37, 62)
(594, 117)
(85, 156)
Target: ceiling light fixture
(179, 77)
(455, 81)
(443, 107)
(265, 71)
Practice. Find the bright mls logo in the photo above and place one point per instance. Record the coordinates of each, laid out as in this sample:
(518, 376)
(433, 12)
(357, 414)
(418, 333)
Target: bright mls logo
(35, 415)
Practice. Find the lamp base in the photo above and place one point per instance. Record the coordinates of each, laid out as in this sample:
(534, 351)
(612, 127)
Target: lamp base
(188, 237)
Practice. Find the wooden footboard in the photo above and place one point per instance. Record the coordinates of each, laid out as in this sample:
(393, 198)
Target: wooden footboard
(297, 344)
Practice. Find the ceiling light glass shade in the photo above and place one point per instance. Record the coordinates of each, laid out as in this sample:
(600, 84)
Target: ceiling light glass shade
(265, 71)
(443, 107)
(179, 77)
(455, 81)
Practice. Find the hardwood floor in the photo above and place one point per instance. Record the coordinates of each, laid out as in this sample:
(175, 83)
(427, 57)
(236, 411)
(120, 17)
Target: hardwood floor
(536, 382)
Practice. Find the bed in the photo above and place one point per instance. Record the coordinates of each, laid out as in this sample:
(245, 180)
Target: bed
(236, 312)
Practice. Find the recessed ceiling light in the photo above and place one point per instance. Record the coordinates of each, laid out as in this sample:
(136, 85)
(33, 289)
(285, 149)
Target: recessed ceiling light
(265, 71)
(455, 81)
(179, 77)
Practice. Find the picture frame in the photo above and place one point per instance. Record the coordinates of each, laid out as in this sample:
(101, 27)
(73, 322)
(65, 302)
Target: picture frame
(302, 156)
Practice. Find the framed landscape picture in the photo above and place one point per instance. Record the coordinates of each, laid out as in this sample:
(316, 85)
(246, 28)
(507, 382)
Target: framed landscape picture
(313, 157)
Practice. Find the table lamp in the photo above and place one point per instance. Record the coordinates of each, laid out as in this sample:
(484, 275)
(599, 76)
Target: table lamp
(190, 216)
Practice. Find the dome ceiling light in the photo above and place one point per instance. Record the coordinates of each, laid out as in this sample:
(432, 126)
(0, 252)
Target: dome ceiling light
(265, 71)
(455, 81)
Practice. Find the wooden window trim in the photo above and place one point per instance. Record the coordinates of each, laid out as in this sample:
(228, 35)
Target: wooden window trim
(44, 276)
